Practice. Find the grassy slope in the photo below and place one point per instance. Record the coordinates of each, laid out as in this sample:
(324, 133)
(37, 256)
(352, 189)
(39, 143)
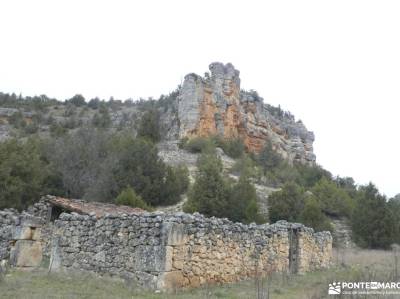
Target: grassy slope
(365, 265)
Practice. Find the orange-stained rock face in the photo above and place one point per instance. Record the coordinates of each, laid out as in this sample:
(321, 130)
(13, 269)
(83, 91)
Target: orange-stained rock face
(206, 125)
(215, 105)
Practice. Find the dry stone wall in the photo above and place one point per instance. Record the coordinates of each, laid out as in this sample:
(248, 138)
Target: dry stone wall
(25, 234)
(167, 251)
(9, 219)
(160, 250)
(128, 246)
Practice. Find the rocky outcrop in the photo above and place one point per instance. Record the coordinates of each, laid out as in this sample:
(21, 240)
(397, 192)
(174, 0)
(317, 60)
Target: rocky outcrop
(215, 104)
(203, 106)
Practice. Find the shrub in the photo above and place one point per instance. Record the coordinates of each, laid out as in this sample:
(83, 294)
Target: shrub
(246, 166)
(198, 144)
(295, 205)
(177, 183)
(17, 120)
(242, 202)
(373, 224)
(286, 204)
(22, 173)
(394, 209)
(313, 216)
(309, 175)
(70, 110)
(56, 130)
(94, 103)
(333, 200)
(77, 100)
(182, 142)
(268, 158)
(233, 147)
(213, 195)
(98, 165)
(128, 197)
(70, 123)
(149, 126)
(210, 191)
(31, 128)
(102, 119)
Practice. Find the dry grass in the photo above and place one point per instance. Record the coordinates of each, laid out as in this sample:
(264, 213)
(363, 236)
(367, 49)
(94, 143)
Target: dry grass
(348, 265)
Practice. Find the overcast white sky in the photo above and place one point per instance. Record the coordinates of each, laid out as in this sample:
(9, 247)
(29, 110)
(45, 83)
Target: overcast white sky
(333, 64)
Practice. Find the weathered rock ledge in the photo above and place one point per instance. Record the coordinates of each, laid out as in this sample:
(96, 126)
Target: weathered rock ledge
(215, 104)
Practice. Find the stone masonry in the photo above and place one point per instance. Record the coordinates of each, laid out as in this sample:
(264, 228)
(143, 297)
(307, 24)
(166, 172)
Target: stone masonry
(168, 251)
(25, 237)
(158, 250)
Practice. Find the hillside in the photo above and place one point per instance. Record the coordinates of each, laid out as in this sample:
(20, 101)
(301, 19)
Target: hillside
(209, 147)
(203, 106)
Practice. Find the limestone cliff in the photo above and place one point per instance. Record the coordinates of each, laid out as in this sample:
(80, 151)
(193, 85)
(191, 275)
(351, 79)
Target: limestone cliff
(215, 104)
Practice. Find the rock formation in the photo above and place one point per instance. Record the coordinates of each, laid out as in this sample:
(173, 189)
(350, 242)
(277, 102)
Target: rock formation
(203, 106)
(215, 104)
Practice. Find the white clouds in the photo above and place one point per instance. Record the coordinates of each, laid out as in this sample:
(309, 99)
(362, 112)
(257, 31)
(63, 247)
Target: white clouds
(334, 64)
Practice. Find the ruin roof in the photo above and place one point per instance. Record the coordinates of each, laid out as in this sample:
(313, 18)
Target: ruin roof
(92, 207)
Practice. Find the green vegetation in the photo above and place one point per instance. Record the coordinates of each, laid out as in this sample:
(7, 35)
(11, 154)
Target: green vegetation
(197, 144)
(233, 147)
(149, 126)
(247, 166)
(23, 173)
(36, 103)
(77, 100)
(210, 192)
(97, 164)
(312, 215)
(287, 204)
(278, 171)
(375, 221)
(214, 195)
(104, 161)
(128, 197)
(333, 200)
(102, 118)
(89, 163)
(242, 204)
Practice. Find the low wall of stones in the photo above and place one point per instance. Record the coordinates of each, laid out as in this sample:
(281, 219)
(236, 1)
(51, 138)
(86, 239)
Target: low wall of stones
(131, 246)
(167, 251)
(9, 219)
(314, 250)
(22, 231)
(212, 250)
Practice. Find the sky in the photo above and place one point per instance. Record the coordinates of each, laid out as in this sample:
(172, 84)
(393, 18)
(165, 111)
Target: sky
(334, 64)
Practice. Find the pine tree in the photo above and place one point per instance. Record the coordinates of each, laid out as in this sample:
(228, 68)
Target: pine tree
(313, 216)
(210, 191)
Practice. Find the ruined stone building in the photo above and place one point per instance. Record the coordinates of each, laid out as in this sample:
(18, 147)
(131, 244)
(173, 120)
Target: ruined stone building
(155, 250)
